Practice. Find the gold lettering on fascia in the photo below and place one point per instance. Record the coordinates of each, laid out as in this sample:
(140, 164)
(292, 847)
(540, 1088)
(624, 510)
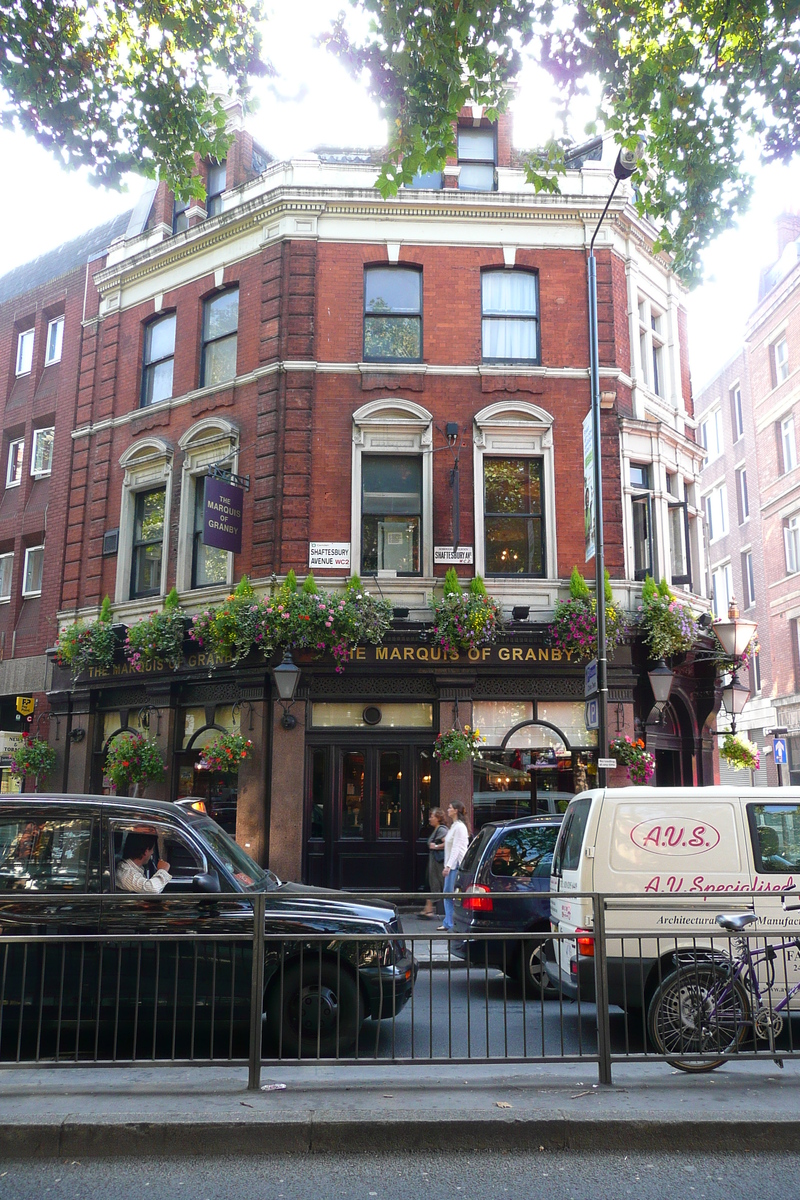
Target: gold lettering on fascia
(503, 654)
(202, 659)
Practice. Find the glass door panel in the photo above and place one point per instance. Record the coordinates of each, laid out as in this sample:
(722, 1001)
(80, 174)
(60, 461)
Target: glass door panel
(390, 780)
(352, 795)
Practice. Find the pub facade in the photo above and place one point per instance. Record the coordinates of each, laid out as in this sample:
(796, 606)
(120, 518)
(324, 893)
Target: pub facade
(400, 386)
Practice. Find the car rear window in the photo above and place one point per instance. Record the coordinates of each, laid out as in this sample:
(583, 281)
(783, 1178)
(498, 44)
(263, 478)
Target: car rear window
(476, 848)
(522, 853)
(568, 850)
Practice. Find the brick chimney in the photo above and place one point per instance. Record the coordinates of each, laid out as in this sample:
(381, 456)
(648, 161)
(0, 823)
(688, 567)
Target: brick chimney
(788, 227)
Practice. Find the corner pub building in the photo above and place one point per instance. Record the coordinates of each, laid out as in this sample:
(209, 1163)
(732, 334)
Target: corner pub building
(404, 383)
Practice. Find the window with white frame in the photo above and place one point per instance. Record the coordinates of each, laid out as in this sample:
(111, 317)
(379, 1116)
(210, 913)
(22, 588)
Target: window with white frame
(477, 155)
(742, 495)
(159, 358)
(148, 543)
(220, 337)
(212, 441)
(180, 215)
(25, 352)
(679, 536)
(651, 347)
(748, 579)
(16, 453)
(737, 416)
(42, 452)
(391, 526)
(515, 518)
(392, 314)
(644, 545)
(722, 589)
(144, 523)
(716, 510)
(55, 341)
(788, 445)
(509, 316)
(780, 362)
(32, 571)
(711, 437)
(791, 543)
(6, 571)
(216, 182)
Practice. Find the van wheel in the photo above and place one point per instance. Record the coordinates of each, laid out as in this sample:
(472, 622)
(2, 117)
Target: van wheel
(318, 1013)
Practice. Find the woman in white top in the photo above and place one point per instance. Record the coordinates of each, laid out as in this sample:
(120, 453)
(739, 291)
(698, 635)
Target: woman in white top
(455, 847)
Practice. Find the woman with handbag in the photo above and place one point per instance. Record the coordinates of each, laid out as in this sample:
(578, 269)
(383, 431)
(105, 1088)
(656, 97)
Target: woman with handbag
(438, 822)
(455, 847)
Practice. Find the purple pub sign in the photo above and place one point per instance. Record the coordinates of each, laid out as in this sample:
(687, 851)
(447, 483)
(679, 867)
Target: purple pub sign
(223, 506)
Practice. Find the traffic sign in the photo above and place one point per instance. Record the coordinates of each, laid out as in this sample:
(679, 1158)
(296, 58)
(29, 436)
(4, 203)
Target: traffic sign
(591, 714)
(590, 682)
(779, 751)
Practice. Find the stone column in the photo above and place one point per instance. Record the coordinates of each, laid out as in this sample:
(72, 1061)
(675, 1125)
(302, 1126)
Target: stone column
(286, 793)
(159, 713)
(252, 811)
(81, 735)
(455, 779)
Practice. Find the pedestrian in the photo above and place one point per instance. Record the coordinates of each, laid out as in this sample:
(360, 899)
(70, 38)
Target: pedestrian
(455, 847)
(438, 822)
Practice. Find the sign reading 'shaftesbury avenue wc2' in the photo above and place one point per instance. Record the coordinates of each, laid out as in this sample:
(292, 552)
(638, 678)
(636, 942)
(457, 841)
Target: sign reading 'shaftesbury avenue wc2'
(223, 506)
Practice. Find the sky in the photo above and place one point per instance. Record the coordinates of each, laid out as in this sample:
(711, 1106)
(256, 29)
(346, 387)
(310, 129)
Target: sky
(313, 101)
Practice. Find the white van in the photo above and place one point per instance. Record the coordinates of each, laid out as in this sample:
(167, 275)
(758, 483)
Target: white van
(669, 846)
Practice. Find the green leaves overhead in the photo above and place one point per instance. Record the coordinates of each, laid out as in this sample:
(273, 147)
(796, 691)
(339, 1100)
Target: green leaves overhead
(697, 77)
(127, 85)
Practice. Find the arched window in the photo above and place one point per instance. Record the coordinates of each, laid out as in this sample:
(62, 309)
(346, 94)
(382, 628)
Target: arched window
(144, 520)
(212, 441)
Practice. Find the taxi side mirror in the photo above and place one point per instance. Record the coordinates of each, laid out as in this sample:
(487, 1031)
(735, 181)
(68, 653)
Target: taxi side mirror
(206, 882)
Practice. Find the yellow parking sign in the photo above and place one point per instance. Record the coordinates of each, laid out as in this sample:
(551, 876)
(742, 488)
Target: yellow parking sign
(25, 705)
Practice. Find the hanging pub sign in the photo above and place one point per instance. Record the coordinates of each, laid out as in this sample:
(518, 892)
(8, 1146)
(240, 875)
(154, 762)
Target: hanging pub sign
(223, 507)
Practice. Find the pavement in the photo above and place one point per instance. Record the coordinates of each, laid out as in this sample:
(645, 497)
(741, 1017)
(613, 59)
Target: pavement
(82, 1112)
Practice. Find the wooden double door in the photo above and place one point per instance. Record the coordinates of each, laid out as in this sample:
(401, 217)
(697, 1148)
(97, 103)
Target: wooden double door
(366, 820)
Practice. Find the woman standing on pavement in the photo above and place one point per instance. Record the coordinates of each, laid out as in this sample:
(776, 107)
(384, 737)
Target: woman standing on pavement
(455, 847)
(438, 822)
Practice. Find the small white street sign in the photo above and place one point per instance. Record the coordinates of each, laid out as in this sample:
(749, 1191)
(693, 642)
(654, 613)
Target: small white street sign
(329, 556)
(446, 554)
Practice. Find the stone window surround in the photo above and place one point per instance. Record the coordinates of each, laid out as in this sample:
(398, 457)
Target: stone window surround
(515, 429)
(210, 441)
(147, 465)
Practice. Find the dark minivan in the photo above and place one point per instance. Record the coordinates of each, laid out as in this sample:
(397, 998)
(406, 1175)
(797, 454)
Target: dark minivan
(512, 857)
(103, 986)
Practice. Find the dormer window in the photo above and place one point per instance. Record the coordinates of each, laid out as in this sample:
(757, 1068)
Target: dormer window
(477, 157)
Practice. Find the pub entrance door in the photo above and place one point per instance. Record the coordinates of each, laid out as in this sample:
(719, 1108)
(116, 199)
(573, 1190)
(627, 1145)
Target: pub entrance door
(367, 815)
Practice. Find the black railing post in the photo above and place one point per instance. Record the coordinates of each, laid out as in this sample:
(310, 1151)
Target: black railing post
(257, 992)
(601, 989)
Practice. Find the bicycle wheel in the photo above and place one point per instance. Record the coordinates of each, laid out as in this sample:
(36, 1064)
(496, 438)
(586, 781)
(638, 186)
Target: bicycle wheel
(698, 1009)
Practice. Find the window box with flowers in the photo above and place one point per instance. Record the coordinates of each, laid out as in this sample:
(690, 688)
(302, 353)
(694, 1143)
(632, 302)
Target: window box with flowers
(739, 752)
(236, 627)
(157, 641)
(88, 644)
(464, 620)
(33, 758)
(668, 627)
(225, 752)
(326, 622)
(574, 627)
(632, 754)
(458, 745)
(132, 761)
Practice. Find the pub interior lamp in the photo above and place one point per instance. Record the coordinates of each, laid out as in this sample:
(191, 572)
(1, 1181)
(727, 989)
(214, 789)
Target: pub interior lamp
(660, 681)
(286, 676)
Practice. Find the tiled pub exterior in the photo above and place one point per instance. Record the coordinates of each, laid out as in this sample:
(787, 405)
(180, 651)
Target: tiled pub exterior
(250, 330)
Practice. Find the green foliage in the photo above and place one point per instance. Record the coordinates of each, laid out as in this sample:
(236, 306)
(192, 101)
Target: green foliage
(172, 599)
(464, 621)
(236, 627)
(669, 627)
(457, 745)
(739, 752)
(87, 644)
(574, 627)
(578, 587)
(33, 758)
(452, 586)
(117, 85)
(607, 592)
(309, 587)
(133, 759)
(477, 587)
(225, 752)
(157, 640)
(700, 79)
(290, 583)
(632, 754)
(649, 589)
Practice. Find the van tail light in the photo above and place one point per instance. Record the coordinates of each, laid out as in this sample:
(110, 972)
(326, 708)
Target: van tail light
(475, 899)
(585, 942)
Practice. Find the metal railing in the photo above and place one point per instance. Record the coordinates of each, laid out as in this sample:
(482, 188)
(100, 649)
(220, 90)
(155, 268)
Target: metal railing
(204, 988)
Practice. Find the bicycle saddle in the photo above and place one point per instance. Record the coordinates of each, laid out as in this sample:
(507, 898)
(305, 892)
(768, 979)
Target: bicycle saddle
(736, 922)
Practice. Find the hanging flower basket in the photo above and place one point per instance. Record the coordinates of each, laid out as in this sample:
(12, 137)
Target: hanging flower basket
(668, 627)
(574, 627)
(632, 754)
(132, 761)
(464, 620)
(157, 640)
(739, 752)
(33, 758)
(457, 745)
(309, 618)
(87, 644)
(225, 752)
(236, 627)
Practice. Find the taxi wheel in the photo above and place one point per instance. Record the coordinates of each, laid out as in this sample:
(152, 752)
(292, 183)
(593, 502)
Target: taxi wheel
(317, 1013)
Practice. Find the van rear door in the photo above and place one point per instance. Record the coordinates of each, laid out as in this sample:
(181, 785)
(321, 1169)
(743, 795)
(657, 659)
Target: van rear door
(773, 834)
(572, 872)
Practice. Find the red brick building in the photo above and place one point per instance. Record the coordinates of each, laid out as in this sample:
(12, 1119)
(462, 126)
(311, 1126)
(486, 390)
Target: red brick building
(343, 351)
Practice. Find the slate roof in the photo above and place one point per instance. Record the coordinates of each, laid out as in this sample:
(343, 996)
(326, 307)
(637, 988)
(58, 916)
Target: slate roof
(63, 259)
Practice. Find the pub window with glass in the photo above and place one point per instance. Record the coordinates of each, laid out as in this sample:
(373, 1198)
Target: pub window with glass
(509, 316)
(514, 522)
(148, 543)
(391, 513)
(209, 563)
(644, 547)
(392, 314)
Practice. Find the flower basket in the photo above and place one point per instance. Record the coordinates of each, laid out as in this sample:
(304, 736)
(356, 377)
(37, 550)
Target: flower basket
(236, 627)
(457, 745)
(325, 622)
(224, 753)
(33, 757)
(157, 641)
(668, 627)
(632, 754)
(574, 627)
(464, 620)
(739, 752)
(87, 644)
(133, 760)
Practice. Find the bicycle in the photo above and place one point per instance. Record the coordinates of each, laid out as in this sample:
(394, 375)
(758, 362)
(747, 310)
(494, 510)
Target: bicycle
(712, 1001)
